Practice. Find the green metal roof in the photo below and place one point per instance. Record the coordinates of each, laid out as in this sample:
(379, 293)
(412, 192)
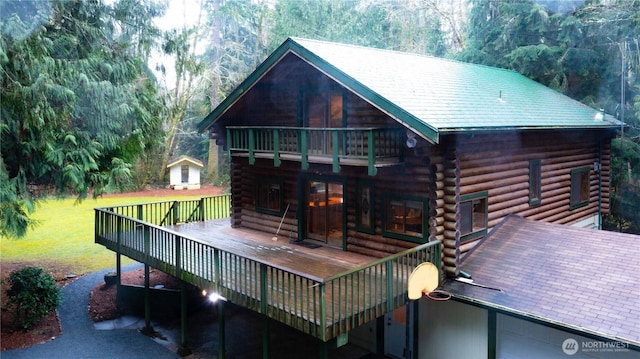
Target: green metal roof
(433, 95)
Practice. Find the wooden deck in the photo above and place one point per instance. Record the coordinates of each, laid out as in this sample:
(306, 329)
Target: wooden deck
(321, 291)
(318, 264)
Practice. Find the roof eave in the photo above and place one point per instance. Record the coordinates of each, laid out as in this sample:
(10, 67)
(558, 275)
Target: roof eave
(463, 130)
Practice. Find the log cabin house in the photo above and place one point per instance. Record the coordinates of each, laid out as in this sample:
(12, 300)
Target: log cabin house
(374, 151)
(367, 161)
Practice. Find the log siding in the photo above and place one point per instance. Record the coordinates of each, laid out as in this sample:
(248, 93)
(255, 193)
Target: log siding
(501, 168)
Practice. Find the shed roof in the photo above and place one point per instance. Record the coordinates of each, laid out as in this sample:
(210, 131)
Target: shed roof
(432, 95)
(187, 159)
(581, 279)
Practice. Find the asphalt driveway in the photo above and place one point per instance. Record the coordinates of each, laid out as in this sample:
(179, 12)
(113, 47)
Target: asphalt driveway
(79, 338)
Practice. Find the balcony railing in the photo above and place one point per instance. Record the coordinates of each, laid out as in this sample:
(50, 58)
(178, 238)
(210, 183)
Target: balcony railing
(322, 307)
(370, 146)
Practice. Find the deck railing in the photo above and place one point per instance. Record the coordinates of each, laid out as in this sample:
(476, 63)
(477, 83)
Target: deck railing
(322, 307)
(333, 145)
(167, 213)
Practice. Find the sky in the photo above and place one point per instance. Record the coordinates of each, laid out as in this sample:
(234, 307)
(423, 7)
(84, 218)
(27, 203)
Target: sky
(179, 14)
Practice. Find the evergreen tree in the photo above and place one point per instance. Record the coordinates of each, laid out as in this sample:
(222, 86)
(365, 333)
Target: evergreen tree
(78, 107)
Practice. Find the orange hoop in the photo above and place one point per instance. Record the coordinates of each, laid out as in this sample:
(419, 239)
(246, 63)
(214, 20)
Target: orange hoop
(439, 295)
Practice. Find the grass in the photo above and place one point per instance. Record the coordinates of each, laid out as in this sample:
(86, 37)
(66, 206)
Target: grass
(64, 236)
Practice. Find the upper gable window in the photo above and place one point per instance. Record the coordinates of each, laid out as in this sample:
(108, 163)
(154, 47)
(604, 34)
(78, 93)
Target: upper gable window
(579, 187)
(269, 196)
(535, 182)
(325, 109)
(474, 215)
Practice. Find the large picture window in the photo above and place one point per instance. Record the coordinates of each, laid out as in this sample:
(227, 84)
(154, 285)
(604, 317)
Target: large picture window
(474, 211)
(405, 218)
(269, 196)
(579, 187)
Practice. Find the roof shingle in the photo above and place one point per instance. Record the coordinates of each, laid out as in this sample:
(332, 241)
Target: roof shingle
(582, 279)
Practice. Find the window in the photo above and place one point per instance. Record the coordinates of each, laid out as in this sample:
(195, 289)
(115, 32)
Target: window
(474, 212)
(325, 110)
(579, 187)
(364, 207)
(535, 182)
(269, 196)
(405, 218)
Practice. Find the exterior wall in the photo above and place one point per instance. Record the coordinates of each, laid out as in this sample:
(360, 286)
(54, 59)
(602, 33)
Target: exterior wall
(518, 338)
(398, 179)
(451, 329)
(479, 163)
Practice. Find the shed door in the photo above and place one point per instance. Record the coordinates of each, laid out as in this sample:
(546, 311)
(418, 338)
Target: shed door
(185, 173)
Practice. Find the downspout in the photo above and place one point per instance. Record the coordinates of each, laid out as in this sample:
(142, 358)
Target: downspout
(599, 181)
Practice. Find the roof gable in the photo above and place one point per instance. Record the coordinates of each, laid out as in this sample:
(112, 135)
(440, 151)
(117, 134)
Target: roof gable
(431, 95)
(578, 278)
(185, 159)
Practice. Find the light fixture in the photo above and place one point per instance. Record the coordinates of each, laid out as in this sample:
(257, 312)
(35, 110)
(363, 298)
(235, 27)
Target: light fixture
(411, 139)
(599, 116)
(213, 296)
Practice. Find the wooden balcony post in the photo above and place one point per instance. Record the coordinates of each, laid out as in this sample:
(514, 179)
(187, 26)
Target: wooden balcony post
(276, 148)
(252, 146)
(371, 152)
(304, 155)
(336, 151)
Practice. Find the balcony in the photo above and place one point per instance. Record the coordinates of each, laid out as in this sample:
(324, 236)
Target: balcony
(371, 147)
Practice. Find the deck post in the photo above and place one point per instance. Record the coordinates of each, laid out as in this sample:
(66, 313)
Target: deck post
(221, 330)
(147, 330)
(118, 253)
(183, 350)
(324, 350)
(263, 311)
(266, 337)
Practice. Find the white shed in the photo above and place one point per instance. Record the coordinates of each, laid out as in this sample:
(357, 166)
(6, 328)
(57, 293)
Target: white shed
(184, 173)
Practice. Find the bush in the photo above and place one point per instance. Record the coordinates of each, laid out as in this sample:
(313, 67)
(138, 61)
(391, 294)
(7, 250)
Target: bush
(32, 293)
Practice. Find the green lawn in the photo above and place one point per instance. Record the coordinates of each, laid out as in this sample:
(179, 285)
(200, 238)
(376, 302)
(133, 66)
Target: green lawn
(64, 236)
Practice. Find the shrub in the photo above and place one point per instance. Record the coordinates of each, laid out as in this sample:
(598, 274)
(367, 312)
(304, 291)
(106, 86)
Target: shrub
(32, 293)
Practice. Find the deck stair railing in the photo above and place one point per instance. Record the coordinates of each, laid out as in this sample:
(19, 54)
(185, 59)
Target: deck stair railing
(328, 145)
(322, 307)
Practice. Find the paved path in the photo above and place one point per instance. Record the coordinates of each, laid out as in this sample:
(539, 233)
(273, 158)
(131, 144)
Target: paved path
(79, 339)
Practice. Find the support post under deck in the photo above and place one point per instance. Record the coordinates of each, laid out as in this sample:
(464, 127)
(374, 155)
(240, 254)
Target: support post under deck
(147, 330)
(183, 350)
(221, 331)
